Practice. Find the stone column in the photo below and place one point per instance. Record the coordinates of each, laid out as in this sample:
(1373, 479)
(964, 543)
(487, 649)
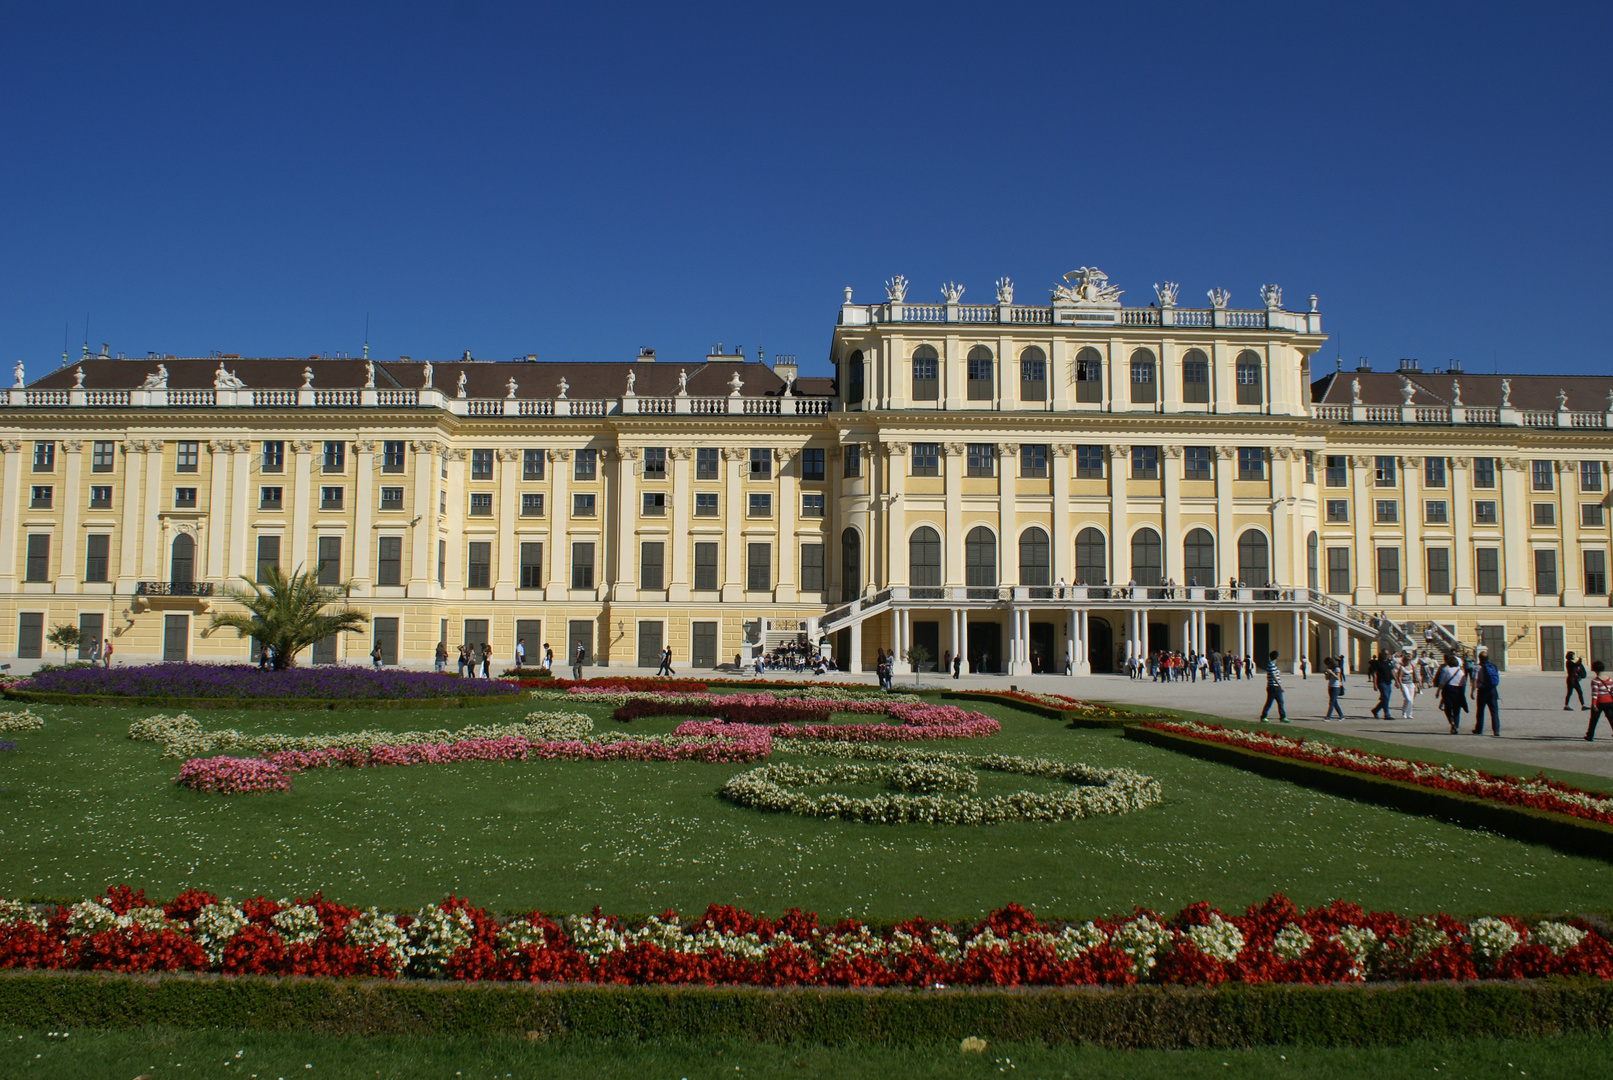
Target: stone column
(1226, 540)
(1366, 582)
(507, 571)
(1062, 543)
(362, 544)
(1007, 537)
(896, 515)
(952, 542)
(559, 527)
(786, 461)
(1171, 542)
(150, 541)
(220, 458)
(243, 498)
(1119, 554)
(13, 500)
(1415, 582)
(67, 566)
(1516, 552)
(626, 546)
(134, 459)
(454, 486)
(423, 546)
(1462, 582)
(679, 493)
(1572, 580)
(296, 545)
(733, 582)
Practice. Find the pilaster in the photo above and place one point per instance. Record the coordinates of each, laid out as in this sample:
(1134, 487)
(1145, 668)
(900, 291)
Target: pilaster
(241, 501)
(733, 545)
(1172, 544)
(67, 566)
(1062, 546)
(13, 450)
(423, 526)
(150, 545)
(1119, 515)
(220, 453)
(952, 543)
(679, 495)
(626, 525)
(361, 547)
(295, 547)
(786, 461)
(1366, 581)
(1462, 583)
(1415, 582)
(559, 524)
(1518, 586)
(134, 459)
(1572, 578)
(1226, 544)
(1007, 522)
(896, 514)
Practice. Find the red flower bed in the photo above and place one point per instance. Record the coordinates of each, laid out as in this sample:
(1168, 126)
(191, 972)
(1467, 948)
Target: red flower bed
(639, 686)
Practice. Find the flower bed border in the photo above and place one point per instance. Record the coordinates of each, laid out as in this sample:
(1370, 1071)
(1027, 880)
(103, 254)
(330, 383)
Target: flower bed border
(1134, 1017)
(1574, 836)
(1074, 717)
(35, 697)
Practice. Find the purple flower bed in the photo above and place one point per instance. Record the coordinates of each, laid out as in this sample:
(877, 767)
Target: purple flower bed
(241, 681)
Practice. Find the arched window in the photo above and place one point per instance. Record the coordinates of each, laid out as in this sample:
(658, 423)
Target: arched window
(1089, 375)
(1313, 574)
(854, 377)
(1147, 564)
(1195, 377)
(1034, 558)
(1198, 558)
(1248, 373)
(980, 380)
(851, 565)
(1091, 558)
(926, 374)
(980, 558)
(924, 557)
(1033, 375)
(1144, 387)
(1254, 560)
(182, 567)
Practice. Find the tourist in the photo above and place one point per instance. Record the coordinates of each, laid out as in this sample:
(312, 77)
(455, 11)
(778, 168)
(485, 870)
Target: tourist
(1601, 698)
(487, 660)
(375, 655)
(1575, 670)
(106, 653)
(577, 662)
(548, 658)
(1061, 586)
(957, 665)
(520, 653)
(666, 662)
(463, 658)
(1274, 690)
(1406, 679)
(442, 656)
(1452, 683)
(1302, 673)
(946, 661)
(1382, 676)
(1335, 690)
(1486, 693)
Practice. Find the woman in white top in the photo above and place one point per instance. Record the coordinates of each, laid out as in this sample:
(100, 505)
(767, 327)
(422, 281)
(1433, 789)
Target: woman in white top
(1452, 683)
(1406, 678)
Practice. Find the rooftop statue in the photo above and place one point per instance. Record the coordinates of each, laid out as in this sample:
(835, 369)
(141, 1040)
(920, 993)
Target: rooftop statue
(564, 386)
(427, 372)
(1506, 393)
(952, 292)
(1562, 400)
(460, 391)
(1355, 390)
(1219, 298)
(1087, 285)
(896, 289)
(157, 380)
(1271, 295)
(1165, 293)
(683, 383)
(510, 386)
(1005, 290)
(735, 383)
(632, 377)
(1408, 390)
(226, 380)
(1456, 393)
(16, 376)
(369, 374)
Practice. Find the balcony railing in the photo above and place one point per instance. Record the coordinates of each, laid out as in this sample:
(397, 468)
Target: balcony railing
(1457, 415)
(173, 588)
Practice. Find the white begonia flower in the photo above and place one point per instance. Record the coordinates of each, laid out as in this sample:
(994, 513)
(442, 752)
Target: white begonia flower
(214, 926)
(1361, 943)
(1558, 937)
(1141, 940)
(437, 934)
(1217, 939)
(13, 911)
(298, 924)
(1291, 942)
(1492, 938)
(91, 917)
(1423, 938)
(371, 928)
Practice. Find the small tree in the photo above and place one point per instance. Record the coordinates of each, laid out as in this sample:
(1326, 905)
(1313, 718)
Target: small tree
(918, 656)
(64, 637)
(288, 613)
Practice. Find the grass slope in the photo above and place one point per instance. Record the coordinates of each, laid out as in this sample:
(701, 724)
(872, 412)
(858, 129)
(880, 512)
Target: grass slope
(82, 807)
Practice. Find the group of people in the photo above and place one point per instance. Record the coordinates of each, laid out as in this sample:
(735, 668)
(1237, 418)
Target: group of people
(1165, 665)
(789, 656)
(101, 652)
(1462, 683)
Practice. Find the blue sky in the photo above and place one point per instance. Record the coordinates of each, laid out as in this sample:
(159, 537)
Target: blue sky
(578, 182)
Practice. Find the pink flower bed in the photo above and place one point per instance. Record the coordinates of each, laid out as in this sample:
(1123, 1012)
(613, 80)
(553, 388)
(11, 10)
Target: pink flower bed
(232, 774)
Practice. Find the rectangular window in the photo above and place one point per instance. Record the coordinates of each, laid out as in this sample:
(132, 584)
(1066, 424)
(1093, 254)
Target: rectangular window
(705, 504)
(1544, 515)
(329, 566)
(330, 498)
(1436, 512)
(1338, 569)
(585, 466)
(101, 497)
(44, 457)
(1336, 471)
(1247, 377)
(532, 565)
(1310, 466)
(478, 565)
(1338, 510)
(274, 457)
(30, 635)
(1484, 513)
(582, 566)
(269, 498)
(389, 560)
(812, 506)
(42, 497)
(531, 504)
(268, 556)
(1595, 572)
(442, 503)
(654, 504)
(1145, 463)
(758, 567)
(1590, 515)
(102, 457)
(1545, 572)
(1541, 475)
(1251, 463)
(392, 456)
(760, 505)
(1439, 571)
(481, 503)
(335, 458)
(652, 565)
(707, 463)
(1487, 571)
(188, 456)
(1386, 511)
(1484, 472)
(982, 459)
(184, 498)
(926, 459)
(1089, 462)
(1551, 642)
(812, 568)
(531, 464)
(1033, 460)
(1088, 375)
(1383, 471)
(761, 463)
(812, 463)
(1434, 472)
(1590, 475)
(582, 506)
(705, 567)
(481, 464)
(1196, 463)
(1388, 571)
(97, 553)
(442, 562)
(853, 461)
(1142, 381)
(979, 381)
(926, 383)
(655, 463)
(391, 498)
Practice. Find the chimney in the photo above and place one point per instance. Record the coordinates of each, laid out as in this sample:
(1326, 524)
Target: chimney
(646, 355)
(1410, 367)
(1454, 368)
(784, 366)
(1363, 364)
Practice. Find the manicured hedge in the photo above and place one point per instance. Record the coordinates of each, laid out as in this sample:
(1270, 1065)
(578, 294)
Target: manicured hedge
(1576, 836)
(1135, 1017)
(37, 698)
(1073, 717)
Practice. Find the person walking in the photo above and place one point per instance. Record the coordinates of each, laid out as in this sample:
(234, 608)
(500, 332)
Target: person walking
(1575, 671)
(460, 660)
(1274, 690)
(1382, 680)
(548, 658)
(442, 656)
(957, 666)
(1486, 694)
(666, 662)
(1335, 690)
(520, 652)
(1601, 698)
(106, 653)
(487, 660)
(577, 662)
(1452, 683)
(1406, 679)
(375, 656)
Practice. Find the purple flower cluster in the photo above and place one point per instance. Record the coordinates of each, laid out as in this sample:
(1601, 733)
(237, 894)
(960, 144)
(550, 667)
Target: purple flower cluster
(323, 683)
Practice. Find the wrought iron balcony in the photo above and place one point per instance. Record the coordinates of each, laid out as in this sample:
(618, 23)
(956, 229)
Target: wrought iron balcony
(173, 588)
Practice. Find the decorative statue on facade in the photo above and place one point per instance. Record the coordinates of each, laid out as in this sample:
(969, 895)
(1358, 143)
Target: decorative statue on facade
(1219, 298)
(78, 379)
(1456, 393)
(510, 386)
(16, 377)
(460, 390)
(308, 378)
(1271, 296)
(683, 382)
(1506, 393)
(734, 384)
(1407, 390)
(952, 292)
(1005, 290)
(1355, 390)
(1562, 400)
(632, 377)
(157, 380)
(426, 371)
(226, 380)
(1087, 285)
(896, 289)
(369, 374)
(1165, 293)
(564, 386)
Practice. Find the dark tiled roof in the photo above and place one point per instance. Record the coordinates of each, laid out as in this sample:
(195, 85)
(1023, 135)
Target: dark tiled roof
(1586, 393)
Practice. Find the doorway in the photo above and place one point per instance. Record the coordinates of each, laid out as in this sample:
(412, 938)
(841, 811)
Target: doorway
(1159, 636)
(649, 644)
(1100, 646)
(985, 647)
(1212, 636)
(1044, 646)
(90, 629)
(703, 645)
(927, 635)
(1262, 646)
(325, 650)
(580, 632)
(175, 637)
(386, 635)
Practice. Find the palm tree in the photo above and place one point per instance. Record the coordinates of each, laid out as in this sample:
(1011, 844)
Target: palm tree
(287, 612)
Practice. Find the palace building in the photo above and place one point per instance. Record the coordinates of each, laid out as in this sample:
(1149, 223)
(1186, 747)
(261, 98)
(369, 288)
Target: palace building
(1045, 487)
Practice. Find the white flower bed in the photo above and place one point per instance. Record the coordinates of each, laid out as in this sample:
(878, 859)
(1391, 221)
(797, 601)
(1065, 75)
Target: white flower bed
(21, 721)
(183, 736)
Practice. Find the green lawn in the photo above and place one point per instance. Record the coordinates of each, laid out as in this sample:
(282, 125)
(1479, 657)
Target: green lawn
(83, 807)
(156, 1053)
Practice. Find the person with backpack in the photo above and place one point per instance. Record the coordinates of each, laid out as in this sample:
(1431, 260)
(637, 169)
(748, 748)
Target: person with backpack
(1486, 694)
(1452, 683)
(1575, 670)
(666, 662)
(375, 656)
(1335, 690)
(1274, 690)
(1601, 698)
(1382, 681)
